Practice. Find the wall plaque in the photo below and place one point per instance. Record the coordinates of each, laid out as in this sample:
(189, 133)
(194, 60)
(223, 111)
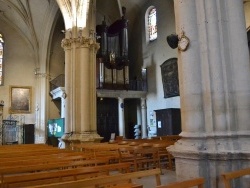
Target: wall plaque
(170, 81)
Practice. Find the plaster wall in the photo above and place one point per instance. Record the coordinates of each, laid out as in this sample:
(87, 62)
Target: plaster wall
(155, 53)
(18, 69)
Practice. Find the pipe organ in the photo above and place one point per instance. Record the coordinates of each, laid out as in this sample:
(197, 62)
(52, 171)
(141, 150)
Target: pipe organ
(112, 57)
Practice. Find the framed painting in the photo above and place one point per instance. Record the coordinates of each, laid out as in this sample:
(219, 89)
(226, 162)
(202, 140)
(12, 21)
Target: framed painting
(20, 99)
(169, 72)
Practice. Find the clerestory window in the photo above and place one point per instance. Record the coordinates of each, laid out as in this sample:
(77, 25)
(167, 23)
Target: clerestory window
(152, 24)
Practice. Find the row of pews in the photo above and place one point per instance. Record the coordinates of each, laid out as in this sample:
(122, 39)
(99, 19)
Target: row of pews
(154, 151)
(89, 165)
(38, 165)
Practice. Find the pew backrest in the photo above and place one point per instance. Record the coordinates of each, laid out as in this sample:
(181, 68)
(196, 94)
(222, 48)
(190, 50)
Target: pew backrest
(199, 182)
(227, 177)
(59, 175)
(104, 181)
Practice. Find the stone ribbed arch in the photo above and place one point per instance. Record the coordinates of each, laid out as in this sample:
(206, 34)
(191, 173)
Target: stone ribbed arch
(77, 16)
(66, 9)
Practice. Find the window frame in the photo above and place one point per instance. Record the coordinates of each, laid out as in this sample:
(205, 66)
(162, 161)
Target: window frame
(1, 60)
(152, 18)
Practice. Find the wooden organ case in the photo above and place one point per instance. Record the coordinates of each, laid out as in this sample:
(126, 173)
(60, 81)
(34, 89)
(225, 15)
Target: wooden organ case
(112, 57)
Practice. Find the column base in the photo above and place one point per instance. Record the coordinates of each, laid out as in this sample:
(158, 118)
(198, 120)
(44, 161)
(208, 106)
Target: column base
(68, 140)
(209, 158)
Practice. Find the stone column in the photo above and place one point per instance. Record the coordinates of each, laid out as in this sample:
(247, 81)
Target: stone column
(68, 92)
(214, 81)
(138, 113)
(139, 117)
(40, 111)
(121, 117)
(144, 118)
(80, 86)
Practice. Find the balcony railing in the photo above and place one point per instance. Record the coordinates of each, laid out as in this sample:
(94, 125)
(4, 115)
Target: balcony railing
(135, 85)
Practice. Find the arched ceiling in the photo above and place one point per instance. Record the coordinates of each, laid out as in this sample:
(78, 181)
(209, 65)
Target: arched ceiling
(28, 16)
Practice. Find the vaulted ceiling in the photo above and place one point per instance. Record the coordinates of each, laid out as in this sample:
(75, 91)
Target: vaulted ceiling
(28, 16)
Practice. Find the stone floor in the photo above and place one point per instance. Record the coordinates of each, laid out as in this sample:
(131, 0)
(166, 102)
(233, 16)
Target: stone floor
(167, 177)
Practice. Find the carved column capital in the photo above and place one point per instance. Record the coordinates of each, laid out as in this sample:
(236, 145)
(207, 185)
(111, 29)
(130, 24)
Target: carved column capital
(66, 43)
(81, 42)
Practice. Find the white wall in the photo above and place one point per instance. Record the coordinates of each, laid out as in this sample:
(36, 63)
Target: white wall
(153, 54)
(18, 69)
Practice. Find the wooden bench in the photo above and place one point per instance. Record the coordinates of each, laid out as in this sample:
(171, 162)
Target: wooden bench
(140, 158)
(22, 146)
(32, 153)
(185, 184)
(53, 166)
(147, 158)
(227, 177)
(116, 180)
(166, 159)
(63, 175)
(44, 156)
(42, 160)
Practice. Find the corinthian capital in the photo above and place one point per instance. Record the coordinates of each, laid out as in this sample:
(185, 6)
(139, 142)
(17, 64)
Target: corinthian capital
(95, 46)
(66, 43)
(84, 41)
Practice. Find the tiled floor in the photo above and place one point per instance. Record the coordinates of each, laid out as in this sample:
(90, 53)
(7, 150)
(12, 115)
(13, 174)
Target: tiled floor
(167, 177)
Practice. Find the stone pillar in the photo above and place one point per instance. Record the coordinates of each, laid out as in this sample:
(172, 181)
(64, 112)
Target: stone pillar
(80, 86)
(214, 81)
(139, 117)
(144, 118)
(40, 110)
(138, 113)
(121, 117)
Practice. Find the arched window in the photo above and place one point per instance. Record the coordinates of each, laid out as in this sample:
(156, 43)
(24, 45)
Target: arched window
(1, 59)
(152, 24)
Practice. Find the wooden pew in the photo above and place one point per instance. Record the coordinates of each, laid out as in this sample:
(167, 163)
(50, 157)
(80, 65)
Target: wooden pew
(18, 146)
(185, 184)
(42, 160)
(32, 152)
(116, 180)
(63, 175)
(24, 147)
(44, 156)
(166, 159)
(139, 157)
(54, 166)
(227, 177)
(148, 158)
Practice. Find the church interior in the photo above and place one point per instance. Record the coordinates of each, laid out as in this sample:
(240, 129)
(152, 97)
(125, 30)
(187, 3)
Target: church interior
(100, 78)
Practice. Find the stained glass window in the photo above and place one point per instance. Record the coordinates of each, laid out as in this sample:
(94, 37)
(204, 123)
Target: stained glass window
(152, 24)
(1, 59)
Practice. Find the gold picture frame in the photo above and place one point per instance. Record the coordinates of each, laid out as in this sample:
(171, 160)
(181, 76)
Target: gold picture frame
(20, 99)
